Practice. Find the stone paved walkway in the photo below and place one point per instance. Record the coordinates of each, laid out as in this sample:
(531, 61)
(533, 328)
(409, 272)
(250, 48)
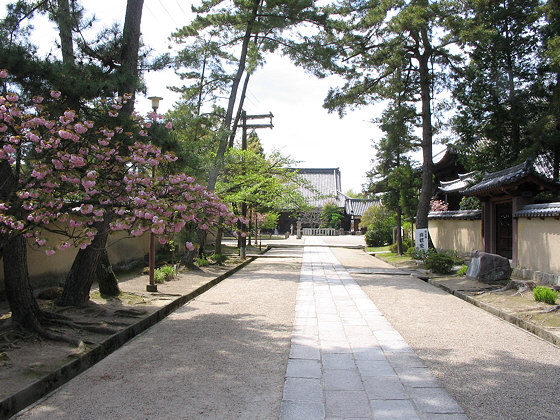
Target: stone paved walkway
(346, 360)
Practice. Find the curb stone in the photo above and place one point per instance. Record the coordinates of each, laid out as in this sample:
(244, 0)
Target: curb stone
(40, 388)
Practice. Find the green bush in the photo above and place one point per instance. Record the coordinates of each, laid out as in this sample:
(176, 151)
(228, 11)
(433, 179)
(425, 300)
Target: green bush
(469, 203)
(202, 262)
(545, 294)
(405, 246)
(164, 274)
(441, 262)
(219, 258)
(380, 232)
(463, 270)
(417, 254)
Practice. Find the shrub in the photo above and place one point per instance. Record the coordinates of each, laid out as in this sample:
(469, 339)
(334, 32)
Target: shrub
(405, 245)
(380, 230)
(202, 262)
(463, 270)
(219, 258)
(545, 294)
(469, 203)
(164, 274)
(417, 254)
(441, 262)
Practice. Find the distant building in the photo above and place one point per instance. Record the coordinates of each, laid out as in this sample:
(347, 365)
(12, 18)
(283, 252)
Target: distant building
(324, 186)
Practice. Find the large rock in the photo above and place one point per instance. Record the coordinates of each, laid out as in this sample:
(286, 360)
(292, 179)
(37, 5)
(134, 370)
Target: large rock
(488, 268)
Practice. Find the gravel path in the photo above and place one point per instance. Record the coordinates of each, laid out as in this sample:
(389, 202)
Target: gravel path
(222, 356)
(493, 369)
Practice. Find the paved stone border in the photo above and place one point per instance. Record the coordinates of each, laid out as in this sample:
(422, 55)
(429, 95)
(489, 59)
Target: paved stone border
(521, 323)
(38, 389)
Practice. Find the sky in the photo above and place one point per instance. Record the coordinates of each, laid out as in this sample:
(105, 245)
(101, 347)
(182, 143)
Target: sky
(303, 129)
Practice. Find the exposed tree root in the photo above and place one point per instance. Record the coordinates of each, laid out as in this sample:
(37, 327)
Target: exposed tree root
(133, 313)
(42, 332)
(549, 310)
(520, 285)
(83, 326)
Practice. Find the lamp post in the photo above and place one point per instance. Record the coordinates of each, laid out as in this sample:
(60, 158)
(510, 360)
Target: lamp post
(152, 287)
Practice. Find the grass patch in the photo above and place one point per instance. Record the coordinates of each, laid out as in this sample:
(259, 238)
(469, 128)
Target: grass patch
(545, 294)
(393, 257)
(378, 248)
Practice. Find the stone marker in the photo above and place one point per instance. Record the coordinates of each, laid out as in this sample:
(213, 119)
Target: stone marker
(488, 268)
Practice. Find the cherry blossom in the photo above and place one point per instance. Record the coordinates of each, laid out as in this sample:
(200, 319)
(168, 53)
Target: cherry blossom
(80, 173)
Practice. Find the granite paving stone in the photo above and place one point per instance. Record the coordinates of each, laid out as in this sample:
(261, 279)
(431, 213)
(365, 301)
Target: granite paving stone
(347, 361)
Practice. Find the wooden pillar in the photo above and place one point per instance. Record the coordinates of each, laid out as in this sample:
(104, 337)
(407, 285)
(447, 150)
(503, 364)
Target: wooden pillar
(488, 227)
(517, 204)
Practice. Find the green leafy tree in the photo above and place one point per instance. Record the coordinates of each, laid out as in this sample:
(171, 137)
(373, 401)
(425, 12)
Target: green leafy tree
(380, 230)
(331, 216)
(495, 102)
(393, 166)
(270, 221)
(545, 128)
(248, 27)
(370, 42)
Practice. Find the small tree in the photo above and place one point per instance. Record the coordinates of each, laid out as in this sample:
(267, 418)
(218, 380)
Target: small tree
(270, 221)
(380, 230)
(331, 216)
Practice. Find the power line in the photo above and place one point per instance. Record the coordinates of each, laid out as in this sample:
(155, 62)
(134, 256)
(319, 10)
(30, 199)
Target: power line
(168, 14)
(181, 7)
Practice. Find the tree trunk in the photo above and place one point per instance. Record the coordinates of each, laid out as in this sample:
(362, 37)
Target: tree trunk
(188, 259)
(427, 133)
(85, 267)
(226, 127)
(129, 53)
(64, 21)
(219, 236)
(399, 234)
(108, 283)
(25, 310)
(239, 110)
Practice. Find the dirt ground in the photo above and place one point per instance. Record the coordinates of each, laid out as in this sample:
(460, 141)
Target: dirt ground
(514, 302)
(26, 358)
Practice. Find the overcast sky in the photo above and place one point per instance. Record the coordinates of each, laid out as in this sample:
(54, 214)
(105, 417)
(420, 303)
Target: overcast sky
(302, 128)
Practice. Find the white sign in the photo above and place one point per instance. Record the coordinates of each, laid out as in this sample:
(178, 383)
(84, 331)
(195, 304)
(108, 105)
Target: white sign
(422, 239)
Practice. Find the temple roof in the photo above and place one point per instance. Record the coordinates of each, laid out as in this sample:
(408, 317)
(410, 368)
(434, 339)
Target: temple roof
(358, 206)
(539, 210)
(458, 215)
(459, 184)
(511, 181)
(325, 186)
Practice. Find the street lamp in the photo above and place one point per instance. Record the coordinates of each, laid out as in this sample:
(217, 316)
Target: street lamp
(152, 287)
(155, 102)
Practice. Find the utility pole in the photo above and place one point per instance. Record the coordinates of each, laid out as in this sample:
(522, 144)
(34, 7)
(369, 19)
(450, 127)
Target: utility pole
(245, 126)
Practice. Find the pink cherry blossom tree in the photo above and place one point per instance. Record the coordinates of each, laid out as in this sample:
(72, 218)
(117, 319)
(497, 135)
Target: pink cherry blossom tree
(83, 179)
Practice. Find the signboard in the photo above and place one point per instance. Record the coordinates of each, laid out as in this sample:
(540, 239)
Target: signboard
(422, 239)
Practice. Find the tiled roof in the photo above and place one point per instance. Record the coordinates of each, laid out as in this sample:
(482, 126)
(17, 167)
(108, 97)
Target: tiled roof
(325, 183)
(458, 215)
(442, 155)
(508, 176)
(458, 184)
(358, 206)
(539, 210)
